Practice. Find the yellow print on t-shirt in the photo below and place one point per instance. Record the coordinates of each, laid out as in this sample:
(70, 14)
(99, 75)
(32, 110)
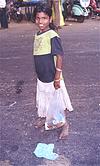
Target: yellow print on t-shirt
(42, 43)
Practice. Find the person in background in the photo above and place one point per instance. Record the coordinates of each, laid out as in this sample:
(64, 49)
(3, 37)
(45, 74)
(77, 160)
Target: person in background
(57, 15)
(48, 57)
(3, 15)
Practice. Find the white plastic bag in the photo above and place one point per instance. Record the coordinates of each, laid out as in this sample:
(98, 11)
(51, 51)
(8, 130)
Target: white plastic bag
(55, 114)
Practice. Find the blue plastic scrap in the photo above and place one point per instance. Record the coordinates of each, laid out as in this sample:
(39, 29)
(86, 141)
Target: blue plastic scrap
(45, 151)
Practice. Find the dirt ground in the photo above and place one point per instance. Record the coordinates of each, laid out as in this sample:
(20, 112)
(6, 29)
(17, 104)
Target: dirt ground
(81, 70)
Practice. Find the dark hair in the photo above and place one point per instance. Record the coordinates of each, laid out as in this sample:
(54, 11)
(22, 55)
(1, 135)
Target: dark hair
(45, 8)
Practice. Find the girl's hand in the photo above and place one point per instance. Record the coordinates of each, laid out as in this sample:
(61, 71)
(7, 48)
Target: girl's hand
(57, 84)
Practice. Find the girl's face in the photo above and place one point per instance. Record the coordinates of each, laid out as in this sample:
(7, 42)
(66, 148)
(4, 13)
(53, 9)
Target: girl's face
(43, 21)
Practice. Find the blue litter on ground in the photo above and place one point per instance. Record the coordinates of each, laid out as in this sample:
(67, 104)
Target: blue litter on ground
(45, 151)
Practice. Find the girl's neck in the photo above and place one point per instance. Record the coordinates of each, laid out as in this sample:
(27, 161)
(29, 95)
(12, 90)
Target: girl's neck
(44, 31)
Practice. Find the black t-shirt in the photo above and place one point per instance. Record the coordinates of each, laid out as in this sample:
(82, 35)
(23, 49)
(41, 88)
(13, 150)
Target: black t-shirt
(47, 46)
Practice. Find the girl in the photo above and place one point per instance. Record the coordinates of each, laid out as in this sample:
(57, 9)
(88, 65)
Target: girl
(48, 55)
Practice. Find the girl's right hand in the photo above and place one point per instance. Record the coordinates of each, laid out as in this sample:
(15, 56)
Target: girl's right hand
(56, 84)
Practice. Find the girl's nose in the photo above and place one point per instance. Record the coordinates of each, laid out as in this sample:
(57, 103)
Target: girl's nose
(40, 21)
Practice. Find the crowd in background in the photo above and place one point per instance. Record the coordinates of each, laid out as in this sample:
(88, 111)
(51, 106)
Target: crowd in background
(57, 10)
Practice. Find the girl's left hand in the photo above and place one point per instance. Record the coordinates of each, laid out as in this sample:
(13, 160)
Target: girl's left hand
(57, 84)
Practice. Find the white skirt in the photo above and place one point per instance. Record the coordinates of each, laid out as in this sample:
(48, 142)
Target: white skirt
(45, 93)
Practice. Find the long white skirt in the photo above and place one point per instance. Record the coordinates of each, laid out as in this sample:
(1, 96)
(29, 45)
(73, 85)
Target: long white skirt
(45, 93)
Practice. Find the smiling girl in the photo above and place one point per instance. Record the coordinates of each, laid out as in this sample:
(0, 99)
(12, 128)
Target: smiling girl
(48, 55)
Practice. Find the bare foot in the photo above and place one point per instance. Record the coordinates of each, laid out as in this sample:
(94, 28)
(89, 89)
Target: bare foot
(40, 122)
(65, 130)
(42, 129)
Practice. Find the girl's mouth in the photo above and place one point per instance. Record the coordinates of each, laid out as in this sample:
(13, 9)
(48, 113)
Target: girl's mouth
(41, 25)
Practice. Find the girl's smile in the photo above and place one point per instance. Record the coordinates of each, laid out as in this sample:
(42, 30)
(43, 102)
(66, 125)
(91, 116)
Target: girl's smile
(43, 21)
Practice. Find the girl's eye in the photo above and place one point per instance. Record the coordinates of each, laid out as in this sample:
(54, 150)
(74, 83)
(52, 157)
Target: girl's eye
(39, 19)
(44, 18)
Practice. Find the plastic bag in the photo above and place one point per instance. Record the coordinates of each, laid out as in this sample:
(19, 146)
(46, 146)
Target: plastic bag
(55, 114)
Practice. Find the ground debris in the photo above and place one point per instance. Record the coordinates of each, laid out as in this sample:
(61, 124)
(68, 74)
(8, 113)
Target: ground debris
(12, 104)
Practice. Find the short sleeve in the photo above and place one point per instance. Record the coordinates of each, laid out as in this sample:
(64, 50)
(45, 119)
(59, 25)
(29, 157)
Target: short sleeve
(56, 47)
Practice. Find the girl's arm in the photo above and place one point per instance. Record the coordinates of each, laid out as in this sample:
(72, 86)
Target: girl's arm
(58, 71)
